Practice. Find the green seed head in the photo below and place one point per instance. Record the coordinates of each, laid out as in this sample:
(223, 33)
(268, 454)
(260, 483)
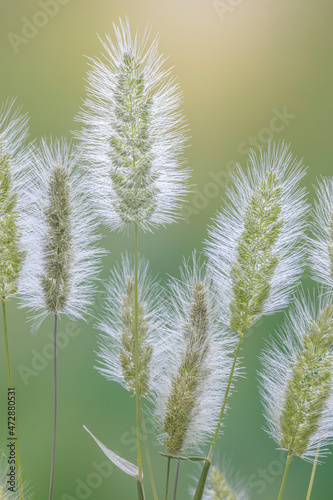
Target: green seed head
(127, 355)
(58, 248)
(309, 387)
(219, 488)
(183, 394)
(11, 257)
(256, 261)
(131, 148)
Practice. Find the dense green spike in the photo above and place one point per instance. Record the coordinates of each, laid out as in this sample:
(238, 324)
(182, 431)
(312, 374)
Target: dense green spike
(309, 387)
(182, 398)
(127, 355)
(219, 488)
(58, 246)
(131, 145)
(11, 258)
(256, 262)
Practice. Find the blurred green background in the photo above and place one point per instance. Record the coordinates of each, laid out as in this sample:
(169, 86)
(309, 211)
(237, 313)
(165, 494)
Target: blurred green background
(250, 70)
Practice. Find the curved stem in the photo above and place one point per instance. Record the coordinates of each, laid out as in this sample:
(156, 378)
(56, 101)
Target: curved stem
(313, 473)
(285, 476)
(10, 385)
(203, 477)
(55, 403)
(167, 479)
(176, 481)
(151, 475)
(137, 382)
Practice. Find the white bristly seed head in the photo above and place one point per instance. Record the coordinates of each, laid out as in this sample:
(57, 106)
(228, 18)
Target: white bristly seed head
(116, 354)
(134, 133)
(62, 259)
(14, 159)
(194, 375)
(321, 243)
(255, 247)
(297, 379)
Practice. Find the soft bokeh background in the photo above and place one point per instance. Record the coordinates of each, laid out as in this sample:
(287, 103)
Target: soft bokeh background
(240, 64)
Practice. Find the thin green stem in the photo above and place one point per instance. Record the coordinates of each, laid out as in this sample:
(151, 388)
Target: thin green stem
(285, 475)
(55, 404)
(151, 475)
(203, 477)
(137, 382)
(313, 473)
(167, 479)
(176, 480)
(10, 386)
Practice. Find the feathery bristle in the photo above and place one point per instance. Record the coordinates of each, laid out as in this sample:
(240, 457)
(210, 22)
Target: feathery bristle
(255, 247)
(134, 133)
(321, 242)
(297, 379)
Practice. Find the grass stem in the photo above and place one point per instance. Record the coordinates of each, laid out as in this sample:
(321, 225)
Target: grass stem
(285, 476)
(137, 382)
(151, 475)
(313, 473)
(167, 479)
(10, 386)
(176, 480)
(55, 403)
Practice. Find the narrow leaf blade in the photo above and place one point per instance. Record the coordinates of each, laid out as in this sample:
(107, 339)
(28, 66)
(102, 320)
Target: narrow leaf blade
(121, 463)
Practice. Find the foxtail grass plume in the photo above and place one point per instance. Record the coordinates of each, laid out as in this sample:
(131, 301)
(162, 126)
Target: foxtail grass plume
(297, 380)
(321, 243)
(14, 159)
(134, 133)
(190, 391)
(116, 354)
(62, 259)
(254, 247)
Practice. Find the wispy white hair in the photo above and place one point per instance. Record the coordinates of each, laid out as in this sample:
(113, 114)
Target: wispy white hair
(164, 126)
(321, 242)
(278, 362)
(85, 255)
(225, 236)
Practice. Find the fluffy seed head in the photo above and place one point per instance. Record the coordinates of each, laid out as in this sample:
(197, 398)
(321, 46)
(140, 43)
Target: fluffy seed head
(59, 236)
(134, 133)
(116, 353)
(14, 157)
(254, 249)
(321, 243)
(297, 380)
(190, 391)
